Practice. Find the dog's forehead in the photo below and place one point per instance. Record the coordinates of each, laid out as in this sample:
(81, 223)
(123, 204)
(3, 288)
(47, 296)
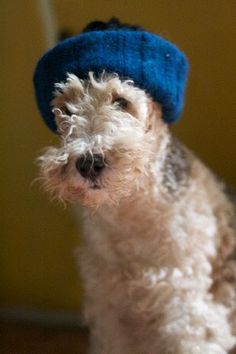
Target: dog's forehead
(75, 89)
(111, 86)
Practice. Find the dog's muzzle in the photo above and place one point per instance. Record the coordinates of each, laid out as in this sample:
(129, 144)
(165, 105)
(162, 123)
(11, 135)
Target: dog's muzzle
(90, 165)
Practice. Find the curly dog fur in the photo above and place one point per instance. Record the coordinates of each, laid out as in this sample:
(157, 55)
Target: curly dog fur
(158, 254)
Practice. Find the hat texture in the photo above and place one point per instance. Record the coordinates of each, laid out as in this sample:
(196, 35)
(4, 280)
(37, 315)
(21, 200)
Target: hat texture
(153, 63)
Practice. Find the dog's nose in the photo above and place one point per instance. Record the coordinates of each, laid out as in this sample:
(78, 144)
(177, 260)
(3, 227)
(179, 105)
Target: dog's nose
(90, 165)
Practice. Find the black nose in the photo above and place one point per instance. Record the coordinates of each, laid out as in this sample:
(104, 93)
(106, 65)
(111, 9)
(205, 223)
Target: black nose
(90, 165)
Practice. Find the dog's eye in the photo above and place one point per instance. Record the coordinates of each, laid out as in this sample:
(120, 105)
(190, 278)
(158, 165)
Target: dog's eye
(66, 111)
(121, 102)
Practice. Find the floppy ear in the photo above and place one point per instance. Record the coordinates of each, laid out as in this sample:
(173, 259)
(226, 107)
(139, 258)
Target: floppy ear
(155, 116)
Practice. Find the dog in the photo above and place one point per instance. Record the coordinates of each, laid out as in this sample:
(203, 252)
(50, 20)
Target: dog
(158, 253)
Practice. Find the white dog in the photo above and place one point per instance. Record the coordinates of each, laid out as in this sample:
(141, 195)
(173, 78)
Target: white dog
(157, 257)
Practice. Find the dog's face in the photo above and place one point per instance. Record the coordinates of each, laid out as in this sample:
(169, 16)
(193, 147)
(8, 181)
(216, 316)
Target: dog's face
(110, 131)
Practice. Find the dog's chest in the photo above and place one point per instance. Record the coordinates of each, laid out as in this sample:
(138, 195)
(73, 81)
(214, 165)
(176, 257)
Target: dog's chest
(130, 235)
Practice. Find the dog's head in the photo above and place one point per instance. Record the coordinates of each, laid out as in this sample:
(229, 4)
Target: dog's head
(110, 133)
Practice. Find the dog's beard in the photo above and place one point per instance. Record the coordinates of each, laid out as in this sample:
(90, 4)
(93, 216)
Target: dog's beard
(121, 178)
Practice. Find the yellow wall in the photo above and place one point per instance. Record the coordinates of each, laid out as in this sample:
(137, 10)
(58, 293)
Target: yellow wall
(37, 237)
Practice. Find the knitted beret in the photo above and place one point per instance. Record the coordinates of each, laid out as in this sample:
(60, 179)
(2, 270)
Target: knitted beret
(153, 63)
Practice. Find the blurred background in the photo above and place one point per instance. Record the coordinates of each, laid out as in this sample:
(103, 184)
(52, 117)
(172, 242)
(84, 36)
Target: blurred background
(39, 279)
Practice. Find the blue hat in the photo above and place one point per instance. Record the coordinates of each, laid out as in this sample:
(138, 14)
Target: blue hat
(154, 64)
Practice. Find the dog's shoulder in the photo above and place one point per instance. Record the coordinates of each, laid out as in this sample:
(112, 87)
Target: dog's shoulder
(230, 194)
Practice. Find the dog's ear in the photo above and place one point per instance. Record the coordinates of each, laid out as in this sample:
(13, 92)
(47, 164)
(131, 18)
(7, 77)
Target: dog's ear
(155, 117)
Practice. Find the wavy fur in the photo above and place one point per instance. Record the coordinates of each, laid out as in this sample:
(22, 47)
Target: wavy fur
(157, 259)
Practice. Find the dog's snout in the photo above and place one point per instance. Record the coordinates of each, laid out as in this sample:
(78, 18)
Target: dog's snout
(90, 165)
